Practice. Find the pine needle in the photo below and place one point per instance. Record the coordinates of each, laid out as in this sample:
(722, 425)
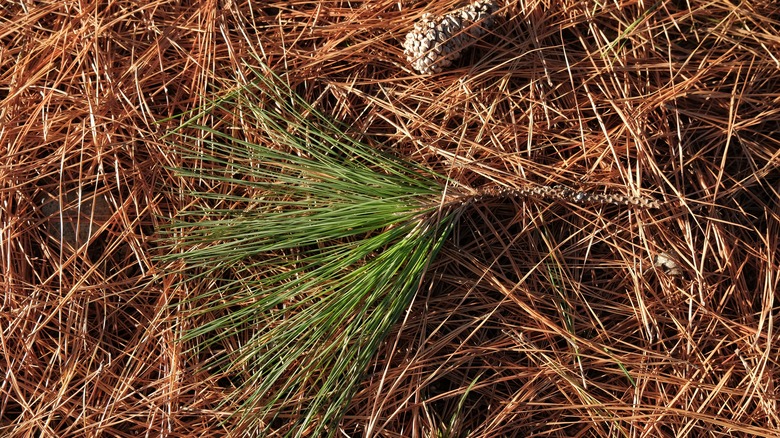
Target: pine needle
(316, 258)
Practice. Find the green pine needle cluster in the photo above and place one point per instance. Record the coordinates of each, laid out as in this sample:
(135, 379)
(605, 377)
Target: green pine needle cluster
(314, 243)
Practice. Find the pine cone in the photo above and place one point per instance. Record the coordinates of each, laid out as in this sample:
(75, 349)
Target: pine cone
(436, 42)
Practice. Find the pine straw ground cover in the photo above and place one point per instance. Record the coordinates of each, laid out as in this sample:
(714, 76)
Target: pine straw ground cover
(537, 317)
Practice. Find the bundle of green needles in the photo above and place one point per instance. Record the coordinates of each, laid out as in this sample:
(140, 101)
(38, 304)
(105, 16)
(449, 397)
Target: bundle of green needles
(314, 243)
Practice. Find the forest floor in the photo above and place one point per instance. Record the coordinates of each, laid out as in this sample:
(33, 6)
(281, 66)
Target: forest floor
(538, 318)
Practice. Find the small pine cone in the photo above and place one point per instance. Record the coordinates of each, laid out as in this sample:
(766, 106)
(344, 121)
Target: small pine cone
(436, 42)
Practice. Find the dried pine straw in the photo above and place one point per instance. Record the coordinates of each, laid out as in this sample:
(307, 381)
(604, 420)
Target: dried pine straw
(539, 318)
